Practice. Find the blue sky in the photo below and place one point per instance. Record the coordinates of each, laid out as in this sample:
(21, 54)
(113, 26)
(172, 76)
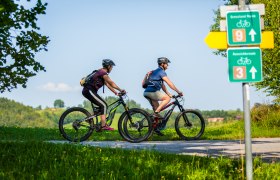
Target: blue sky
(133, 34)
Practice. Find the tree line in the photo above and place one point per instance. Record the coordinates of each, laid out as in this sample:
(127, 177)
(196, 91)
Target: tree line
(17, 114)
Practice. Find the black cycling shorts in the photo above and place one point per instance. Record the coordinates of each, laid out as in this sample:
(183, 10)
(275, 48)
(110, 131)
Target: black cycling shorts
(93, 97)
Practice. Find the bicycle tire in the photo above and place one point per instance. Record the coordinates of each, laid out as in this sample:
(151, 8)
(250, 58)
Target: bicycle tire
(72, 126)
(193, 131)
(120, 126)
(138, 129)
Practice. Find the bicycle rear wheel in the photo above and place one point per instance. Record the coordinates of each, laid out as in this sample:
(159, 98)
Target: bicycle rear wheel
(190, 125)
(136, 129)
(75, 124)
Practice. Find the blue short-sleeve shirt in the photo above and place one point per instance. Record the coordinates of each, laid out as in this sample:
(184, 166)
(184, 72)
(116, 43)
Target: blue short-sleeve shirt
(156, 80)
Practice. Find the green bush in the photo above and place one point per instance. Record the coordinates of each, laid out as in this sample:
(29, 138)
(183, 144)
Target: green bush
(266, 115)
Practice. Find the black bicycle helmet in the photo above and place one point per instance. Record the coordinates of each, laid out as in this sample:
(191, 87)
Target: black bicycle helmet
(163, 60)
(107, 62)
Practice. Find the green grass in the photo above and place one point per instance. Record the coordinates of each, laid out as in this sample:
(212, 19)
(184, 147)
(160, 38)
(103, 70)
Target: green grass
(235, 130)
(24, 155)
(219, 131)
(38, 160)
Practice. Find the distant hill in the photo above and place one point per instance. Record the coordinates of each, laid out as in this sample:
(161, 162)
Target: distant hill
(18, 115)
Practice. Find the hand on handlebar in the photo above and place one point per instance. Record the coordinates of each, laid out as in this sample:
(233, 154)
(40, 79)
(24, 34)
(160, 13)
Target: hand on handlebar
(180, 93)
(122, 92)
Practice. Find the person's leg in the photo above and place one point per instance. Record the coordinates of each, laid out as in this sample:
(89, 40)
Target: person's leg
(97, 100)
(153, 98)
(103, 107)
(164, 98)
(154, 103)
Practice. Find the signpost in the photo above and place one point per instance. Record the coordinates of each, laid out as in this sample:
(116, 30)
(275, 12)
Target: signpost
(244, 64)
(245, 86)
(243, 28)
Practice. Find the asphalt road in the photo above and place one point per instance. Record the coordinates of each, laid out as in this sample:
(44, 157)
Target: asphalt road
(266, 148)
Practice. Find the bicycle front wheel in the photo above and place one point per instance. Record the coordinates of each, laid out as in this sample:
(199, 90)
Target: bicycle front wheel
(75, 124)
(190, 125)
(136, 126)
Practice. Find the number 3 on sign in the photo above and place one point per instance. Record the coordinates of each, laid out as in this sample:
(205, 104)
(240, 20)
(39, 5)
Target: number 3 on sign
(239, 35)
(239, 72)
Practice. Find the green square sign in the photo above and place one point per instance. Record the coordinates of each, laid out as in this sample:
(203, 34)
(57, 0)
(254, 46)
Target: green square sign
(243, 28)
(244, 64)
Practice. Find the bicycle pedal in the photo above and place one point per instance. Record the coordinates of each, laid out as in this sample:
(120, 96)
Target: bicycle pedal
(98, 128)
(161, 127)
(157, 131)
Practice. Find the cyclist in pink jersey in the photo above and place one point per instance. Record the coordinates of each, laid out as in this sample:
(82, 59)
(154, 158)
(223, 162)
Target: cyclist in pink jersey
(101, 78)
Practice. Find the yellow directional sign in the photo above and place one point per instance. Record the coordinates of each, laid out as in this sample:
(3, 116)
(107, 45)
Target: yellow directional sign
(218, 40)
(267, 40)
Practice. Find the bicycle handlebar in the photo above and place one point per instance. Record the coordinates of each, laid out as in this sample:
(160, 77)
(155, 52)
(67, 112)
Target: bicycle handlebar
(121, 93)
(176, 96)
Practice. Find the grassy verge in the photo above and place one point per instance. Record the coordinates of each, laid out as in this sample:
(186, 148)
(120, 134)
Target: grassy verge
(221, 131)
(37, 160)
(235, 130)
(42, 134)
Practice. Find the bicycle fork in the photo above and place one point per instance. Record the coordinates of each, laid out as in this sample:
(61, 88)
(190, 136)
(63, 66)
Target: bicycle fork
(186, 119)
(135, 125)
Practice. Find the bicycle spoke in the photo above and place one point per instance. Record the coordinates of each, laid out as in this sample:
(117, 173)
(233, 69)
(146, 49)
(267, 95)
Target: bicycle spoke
(136, 129)
(75, 125)
(190, 125)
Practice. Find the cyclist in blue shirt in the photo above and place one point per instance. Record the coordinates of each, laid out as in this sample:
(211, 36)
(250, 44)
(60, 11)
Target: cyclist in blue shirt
(153, 94)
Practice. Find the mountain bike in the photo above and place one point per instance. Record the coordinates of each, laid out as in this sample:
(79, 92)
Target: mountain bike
(77, 124)
(189, 124)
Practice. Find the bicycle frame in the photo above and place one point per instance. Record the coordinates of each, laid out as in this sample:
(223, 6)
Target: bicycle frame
(170, 111)
(113, 108)
(173, 104)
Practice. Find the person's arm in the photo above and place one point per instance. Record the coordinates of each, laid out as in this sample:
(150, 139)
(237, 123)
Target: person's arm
(171, 85)
(110, 84)
(111, 88)
(165, 90)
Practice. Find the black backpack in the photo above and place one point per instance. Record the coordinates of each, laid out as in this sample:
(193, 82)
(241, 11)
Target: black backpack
(88, 80)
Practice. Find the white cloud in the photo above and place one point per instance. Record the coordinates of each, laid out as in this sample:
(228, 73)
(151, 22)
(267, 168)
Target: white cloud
(59, 87)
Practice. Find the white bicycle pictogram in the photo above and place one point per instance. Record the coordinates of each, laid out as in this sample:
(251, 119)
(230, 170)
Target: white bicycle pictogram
(243, 24)
(244, 61)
